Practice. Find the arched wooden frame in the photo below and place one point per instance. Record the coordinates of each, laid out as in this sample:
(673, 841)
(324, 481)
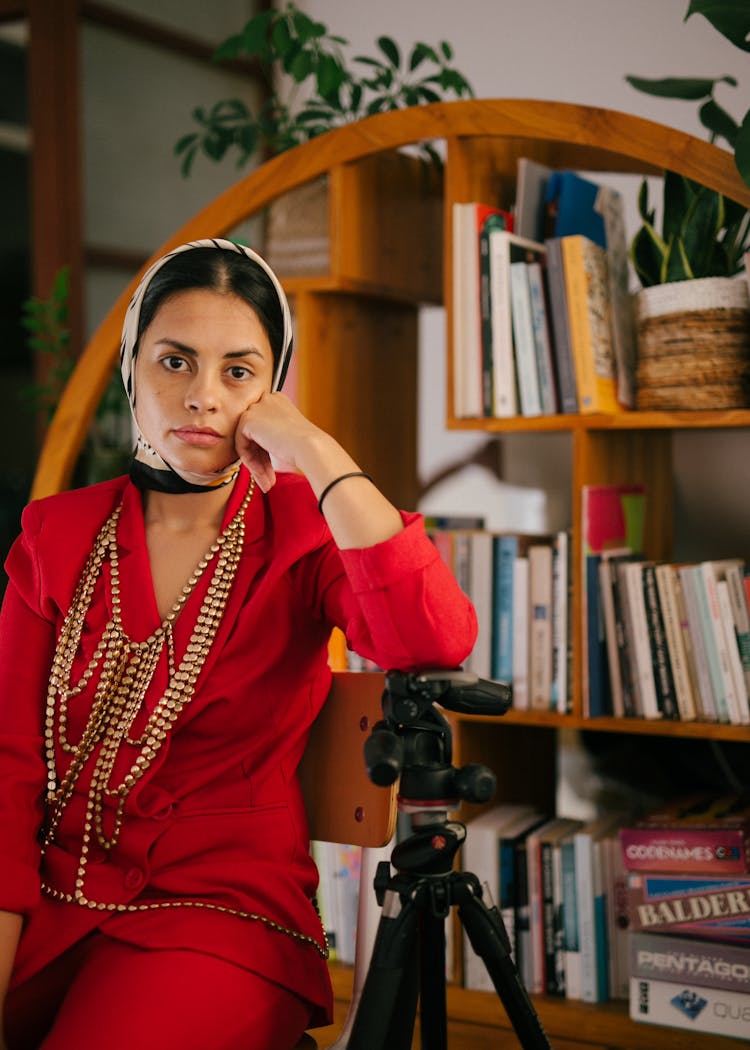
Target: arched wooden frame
(631, 142)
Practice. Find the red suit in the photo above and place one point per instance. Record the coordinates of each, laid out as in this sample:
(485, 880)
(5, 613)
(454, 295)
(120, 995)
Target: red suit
(218, 818)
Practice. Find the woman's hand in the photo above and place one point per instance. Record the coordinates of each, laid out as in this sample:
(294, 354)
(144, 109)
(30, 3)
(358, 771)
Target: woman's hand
(274, 427)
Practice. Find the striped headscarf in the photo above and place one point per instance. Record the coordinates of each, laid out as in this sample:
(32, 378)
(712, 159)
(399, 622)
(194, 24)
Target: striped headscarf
(148, 469)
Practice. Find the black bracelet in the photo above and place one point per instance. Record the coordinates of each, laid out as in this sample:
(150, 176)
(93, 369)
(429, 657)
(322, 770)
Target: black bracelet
(342, 477)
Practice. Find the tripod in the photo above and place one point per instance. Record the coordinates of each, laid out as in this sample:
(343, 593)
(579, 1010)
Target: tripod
(408, 959)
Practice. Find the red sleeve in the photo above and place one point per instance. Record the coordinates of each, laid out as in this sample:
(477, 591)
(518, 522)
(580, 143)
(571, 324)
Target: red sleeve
(400, 605)
(27, 642)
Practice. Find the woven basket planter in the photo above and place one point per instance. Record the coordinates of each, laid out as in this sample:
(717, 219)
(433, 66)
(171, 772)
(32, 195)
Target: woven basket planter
(694, 345)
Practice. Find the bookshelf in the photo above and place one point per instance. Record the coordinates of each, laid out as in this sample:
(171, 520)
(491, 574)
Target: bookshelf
(389, 224)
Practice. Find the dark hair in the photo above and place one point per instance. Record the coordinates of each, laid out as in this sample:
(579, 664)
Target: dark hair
(221, 271)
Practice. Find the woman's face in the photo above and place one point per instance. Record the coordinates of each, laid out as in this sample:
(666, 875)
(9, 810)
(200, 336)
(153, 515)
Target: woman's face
(202, 361)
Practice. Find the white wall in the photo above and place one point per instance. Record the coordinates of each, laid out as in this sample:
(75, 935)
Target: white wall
(571, 51)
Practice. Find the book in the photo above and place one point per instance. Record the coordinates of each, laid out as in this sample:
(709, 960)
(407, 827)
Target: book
(714, 640)
(592, 906)
(507, 546)
(531, 188)
(701, 833)
(481, 856)
(618, 919)
(571, 944)
(540, 626)
(663, 681)
(716, 907)
(521, 633)
(709, 964)
(469, 220)
(705, 694)
(639, 642)
(590, 324)
(687, 639)
(545, 912)
(542, 338)
(613, 518)
(740, 614)
(513, 887)
(733, 652)
(609, 205)
(496, 219)
(690, 1006)
(570, 207)
(524, 346)
(480, 591)
(507, 248)
(558, 311)
(561, 642)
(618, 653)
(665, 583)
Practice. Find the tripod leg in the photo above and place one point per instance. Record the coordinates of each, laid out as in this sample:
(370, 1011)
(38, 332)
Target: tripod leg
(433, 1013)
(489, 939)
(388, 1004)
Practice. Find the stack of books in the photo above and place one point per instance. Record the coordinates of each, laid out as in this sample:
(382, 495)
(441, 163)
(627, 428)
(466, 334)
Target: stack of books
(689, 915)
(542, 320)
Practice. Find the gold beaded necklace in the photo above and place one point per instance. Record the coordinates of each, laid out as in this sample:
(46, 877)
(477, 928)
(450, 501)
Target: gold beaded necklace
(127, 670)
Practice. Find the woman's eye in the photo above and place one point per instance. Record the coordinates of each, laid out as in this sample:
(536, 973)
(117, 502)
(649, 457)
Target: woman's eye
(174, 364)
(239, 372)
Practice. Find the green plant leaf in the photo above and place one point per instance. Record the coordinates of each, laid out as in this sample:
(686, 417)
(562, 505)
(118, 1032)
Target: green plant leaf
(281, 37)
(718, 121)
(732, 20)
(700, 231)
(390, 49)
(678, 196)
(301, 66)
(417, 57)
(679, 87)
(255, 34)
(742, 150)
(229, 48)
(643, 209)
(675, 265)
(329, 78)
(446, 49)
(647, 252)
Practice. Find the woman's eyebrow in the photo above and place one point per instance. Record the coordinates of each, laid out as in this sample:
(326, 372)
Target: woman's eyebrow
(185, 349)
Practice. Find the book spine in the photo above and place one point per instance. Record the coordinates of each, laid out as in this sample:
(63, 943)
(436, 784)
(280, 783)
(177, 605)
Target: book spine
(665, 694)
(713, 636)
(485, 321)
(711, 1010)
(675, 647)
(542, 343)
(587, 920)
(505, 551)
(540, 626)
(641, 648)
(560, 623)
(503, 367)
(741, 616)
(742, 711)
(571, 937)
(549, 945)
(695, 629)
(711, 851)
(659, 957)
(584, 265)
(521, 633)
(523, 341)
(566, 378)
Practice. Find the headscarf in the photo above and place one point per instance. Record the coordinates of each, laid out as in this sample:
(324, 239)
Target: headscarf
(148, 469)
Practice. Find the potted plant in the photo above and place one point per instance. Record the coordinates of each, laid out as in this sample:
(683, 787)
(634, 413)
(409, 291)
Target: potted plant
(314, 87)
(693, 315)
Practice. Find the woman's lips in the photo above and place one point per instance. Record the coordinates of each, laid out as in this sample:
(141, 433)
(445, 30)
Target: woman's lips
(203, 437)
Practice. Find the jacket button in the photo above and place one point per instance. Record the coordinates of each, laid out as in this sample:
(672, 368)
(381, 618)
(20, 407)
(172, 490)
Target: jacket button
(134, 879)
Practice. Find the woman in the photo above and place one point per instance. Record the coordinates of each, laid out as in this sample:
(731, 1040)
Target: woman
(156, 886)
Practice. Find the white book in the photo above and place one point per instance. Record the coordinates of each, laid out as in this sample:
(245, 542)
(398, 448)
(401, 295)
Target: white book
(728, 707)
(741, 614)
(467, 349)
(642, 664)
(542, 341)
(540, 626)
(524, 348)
(689, 1006)
(735, 664)
(705, 697)
(521, 634)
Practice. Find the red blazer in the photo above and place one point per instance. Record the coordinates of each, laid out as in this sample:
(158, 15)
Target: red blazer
(218, 816)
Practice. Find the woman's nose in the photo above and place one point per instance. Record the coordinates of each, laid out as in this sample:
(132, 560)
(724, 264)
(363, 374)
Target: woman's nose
(202, 394)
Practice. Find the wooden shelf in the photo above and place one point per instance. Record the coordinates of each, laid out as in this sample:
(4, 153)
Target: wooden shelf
(567, 1023)
(646, 727)
(715, 420)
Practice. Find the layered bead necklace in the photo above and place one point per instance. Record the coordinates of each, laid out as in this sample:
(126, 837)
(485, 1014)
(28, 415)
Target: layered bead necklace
(127, 670)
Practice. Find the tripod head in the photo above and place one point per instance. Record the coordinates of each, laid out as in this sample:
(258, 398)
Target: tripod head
(414, 740)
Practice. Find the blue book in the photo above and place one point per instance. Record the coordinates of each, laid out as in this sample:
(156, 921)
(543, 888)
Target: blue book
(570, 207)
(504, 554)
